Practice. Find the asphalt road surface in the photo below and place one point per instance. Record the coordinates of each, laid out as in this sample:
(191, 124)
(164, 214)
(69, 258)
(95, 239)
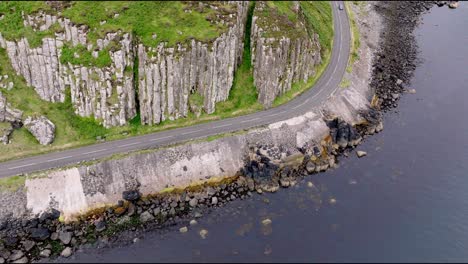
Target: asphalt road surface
(323, 88)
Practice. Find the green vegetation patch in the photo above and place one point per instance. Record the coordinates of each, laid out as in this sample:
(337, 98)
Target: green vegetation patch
(355, 36)
(12, 183)
(85, 57)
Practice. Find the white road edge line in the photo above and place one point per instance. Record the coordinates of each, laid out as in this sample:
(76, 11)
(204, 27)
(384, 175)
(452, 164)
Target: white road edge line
(250, 120)
(129, 144)
(59, 158)
(222, 126)
(94, 151)
(17, 167)
(190, 132)
(154, 139)
(274, 114)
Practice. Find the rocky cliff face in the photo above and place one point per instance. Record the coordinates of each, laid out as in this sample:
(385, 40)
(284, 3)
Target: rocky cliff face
(8, 114)
(283, 51)
(168, 75)
(106, 93)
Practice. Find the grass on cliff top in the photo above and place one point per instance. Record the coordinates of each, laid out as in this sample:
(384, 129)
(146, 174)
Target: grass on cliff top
(277, 19)
(168, 19)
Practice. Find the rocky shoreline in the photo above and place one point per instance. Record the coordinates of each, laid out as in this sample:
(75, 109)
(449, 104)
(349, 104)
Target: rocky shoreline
(46, 236)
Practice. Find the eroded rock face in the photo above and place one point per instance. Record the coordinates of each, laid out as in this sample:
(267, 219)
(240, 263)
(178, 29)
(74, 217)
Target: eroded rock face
(281, 56)
(168, 75)
(41, 128)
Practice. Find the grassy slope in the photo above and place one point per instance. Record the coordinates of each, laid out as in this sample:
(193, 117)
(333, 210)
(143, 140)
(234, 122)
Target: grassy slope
(75, 131)
(355, 37)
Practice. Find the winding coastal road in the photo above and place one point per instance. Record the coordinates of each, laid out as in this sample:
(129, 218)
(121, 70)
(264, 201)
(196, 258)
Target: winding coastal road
(323, 89)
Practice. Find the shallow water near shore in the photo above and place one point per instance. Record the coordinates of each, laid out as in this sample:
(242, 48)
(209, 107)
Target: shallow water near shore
(407, 200)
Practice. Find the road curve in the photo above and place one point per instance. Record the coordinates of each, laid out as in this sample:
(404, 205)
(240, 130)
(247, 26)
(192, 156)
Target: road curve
(323, 88)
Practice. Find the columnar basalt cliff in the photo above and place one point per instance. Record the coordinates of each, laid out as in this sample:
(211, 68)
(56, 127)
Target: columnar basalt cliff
(103, 92)
(169, 75)
(283, 51)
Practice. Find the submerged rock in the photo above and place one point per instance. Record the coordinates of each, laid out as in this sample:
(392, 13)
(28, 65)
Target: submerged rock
(361, 153)
(203, 233)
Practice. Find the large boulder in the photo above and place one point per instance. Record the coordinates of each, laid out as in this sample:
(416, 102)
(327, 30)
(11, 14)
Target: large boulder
(41, 128)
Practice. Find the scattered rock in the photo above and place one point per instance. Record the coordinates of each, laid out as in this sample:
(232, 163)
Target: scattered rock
(131, 195)
(411, 91)
(67, 252)
(310, 184)
(45, 253)
(120, 211)
(332, 201)
(100, 225)
(214, 200)
(28, 245)
(193, 222)
(41, 128)
(361, 153)
(310, 167)
(193, 202)
(15, 255)
(65, 237)
(40, 234)
(183, 229)
(54, 236)
(22, 260)
(146, 217)
(131, 210)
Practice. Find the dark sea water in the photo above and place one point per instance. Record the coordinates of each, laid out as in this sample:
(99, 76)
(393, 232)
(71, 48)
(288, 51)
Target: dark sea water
(406, 201)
